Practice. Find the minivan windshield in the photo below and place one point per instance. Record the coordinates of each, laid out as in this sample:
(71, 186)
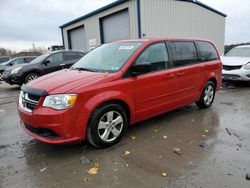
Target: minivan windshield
(239, 52)
(108, 57)
(40, 58)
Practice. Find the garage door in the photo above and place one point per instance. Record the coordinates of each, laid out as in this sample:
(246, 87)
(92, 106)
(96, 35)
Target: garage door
(77, 39)
(115, 27)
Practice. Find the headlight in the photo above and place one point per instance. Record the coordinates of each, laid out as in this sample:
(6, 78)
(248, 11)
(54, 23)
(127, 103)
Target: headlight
(60, 102)
(247, 66)
(14, 71)
(20, 98)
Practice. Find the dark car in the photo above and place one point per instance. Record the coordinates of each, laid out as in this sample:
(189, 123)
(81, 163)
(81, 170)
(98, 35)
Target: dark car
(14, 62)
(4, 59)
(42, 65)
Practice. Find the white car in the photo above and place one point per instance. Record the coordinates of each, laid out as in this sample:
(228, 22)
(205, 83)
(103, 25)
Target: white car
(236, 64)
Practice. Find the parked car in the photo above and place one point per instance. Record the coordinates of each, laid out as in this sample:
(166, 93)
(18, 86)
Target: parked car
(236, 64)
(117, 85)
(14, 62)
(4, 59)
(42, 65)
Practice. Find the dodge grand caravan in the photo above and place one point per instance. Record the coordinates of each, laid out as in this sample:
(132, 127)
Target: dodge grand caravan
(117, 85)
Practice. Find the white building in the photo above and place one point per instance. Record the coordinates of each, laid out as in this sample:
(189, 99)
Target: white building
(124, 19)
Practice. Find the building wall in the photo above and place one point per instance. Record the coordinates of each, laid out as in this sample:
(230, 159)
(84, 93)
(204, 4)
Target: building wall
(176, 19)
(92, 28)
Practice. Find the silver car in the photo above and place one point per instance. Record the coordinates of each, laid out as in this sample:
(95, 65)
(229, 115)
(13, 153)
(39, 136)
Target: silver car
(236, 64)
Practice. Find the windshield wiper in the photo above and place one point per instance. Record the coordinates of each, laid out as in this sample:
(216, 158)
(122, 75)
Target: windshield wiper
(83, 69)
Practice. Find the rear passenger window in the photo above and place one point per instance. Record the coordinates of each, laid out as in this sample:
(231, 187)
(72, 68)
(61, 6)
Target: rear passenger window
(206, 51)
(184, 53)
(71, 56)
(156, 55)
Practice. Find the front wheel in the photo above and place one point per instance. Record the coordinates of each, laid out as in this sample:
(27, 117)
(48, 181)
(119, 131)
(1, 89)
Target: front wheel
(207, 97)
(30, 77)
(107, 125)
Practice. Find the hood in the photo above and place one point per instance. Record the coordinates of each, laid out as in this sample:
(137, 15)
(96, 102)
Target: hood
(13, 67)
(235, 61)
(66, 80)
(3, 67)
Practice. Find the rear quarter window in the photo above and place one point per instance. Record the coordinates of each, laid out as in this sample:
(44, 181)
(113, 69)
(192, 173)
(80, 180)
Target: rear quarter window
(183, 53)
(207, 51)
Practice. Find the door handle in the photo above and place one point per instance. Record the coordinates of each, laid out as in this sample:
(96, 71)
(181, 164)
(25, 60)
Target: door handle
(169, 76)
(62, 64)
(180, 74)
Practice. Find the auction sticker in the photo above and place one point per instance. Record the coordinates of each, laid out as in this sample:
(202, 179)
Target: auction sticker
(126, 47)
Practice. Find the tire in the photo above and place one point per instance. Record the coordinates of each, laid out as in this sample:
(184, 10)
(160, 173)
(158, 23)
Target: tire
(30, 77)
(207, 97)
(103, 131)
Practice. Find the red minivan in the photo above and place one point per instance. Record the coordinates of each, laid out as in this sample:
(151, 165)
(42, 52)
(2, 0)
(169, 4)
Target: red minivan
(117, 85)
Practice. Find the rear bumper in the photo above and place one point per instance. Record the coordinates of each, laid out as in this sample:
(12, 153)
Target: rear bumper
(236, 75)
(54, 127)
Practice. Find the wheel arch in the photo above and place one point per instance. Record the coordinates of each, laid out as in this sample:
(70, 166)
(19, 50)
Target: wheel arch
(111, 97)
(214, 80)
(29, 72)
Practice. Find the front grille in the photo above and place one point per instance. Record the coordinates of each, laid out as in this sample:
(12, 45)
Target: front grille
(28, 101)
(7, 72)
(231, 76)
(229, 68)
(42, 132)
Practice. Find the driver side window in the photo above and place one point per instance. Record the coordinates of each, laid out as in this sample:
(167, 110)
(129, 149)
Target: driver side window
(56, 58)
(156, 55)
(18, 61)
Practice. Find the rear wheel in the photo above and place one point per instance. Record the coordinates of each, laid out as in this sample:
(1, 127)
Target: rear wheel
(107, 125)
(207, 97)
(30, 77)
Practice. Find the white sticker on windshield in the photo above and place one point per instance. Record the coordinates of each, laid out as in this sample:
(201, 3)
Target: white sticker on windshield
(115, 68)
(126, 47)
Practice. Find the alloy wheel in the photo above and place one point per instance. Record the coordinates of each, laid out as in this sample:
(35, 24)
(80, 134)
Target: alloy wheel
(110, 126)
(208, 95)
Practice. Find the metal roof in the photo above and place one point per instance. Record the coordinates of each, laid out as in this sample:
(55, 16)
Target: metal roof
(205, 6)
(121, 1)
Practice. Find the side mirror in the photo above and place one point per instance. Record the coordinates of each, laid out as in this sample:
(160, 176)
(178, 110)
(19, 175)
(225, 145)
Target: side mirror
(141, 68)
(11, 64)
(46, 62)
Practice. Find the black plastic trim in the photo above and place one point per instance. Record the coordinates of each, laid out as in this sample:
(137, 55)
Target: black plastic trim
(34, 91)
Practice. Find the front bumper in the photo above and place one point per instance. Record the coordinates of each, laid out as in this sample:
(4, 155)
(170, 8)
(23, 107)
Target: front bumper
(236, 75)
(1, 74)
(54, 127)
(12, 78)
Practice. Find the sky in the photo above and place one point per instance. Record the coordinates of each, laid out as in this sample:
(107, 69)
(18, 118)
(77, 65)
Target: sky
(27, 22)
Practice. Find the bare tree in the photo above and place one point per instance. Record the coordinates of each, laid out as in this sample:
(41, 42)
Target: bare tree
(6, 52)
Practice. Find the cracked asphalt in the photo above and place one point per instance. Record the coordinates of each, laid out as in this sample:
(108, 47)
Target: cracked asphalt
(213, 144)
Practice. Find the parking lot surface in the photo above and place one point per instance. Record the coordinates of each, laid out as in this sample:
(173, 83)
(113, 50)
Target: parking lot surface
(185, 148)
